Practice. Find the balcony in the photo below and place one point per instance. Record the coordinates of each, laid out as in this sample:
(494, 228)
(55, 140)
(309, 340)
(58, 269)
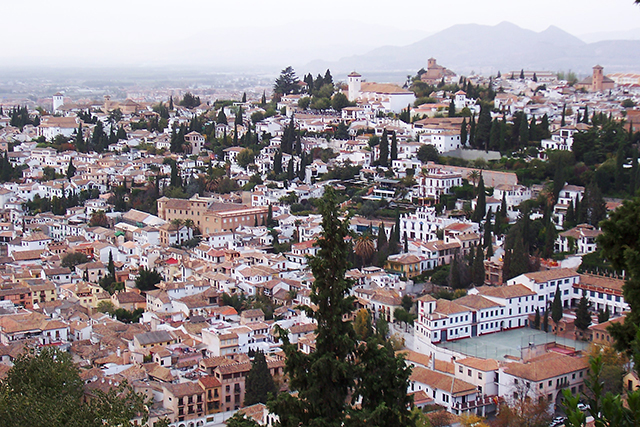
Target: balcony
(478, 403)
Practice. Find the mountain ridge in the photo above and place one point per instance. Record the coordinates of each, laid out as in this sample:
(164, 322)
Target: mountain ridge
(488, 49)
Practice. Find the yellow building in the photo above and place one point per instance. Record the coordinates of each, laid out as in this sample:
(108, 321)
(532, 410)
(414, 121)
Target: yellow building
(404, 264)
(210, 216)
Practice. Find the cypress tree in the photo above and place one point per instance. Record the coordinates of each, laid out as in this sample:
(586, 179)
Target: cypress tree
(454, 274)
(111, 266)
(406, 243)
(585, 118)
(486, 240)
(472, 132)
(556, 308)
(452, 109)
(536, 320)
(524, 130)
(384, 149)
(545, 324)
(463, 131)
(570, 220)
(259, 382)
(394, 147)
(494, 135)
(633, 182)
(477, 269)
(382, 237)
(563, 122)
(481, 204)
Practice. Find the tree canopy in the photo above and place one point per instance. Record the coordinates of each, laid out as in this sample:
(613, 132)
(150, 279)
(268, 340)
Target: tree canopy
(44, 388)
(342, 370)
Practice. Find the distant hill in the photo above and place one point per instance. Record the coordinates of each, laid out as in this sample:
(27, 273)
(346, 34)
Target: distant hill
(488, 49)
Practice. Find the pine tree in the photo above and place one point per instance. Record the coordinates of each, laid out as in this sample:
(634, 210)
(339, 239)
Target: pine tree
(583, 317)
(259, 382)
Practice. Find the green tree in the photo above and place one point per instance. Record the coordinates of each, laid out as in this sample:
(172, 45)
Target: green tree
(481, 204)
(394, 147)
(583, 316)
(239, 419)
(147, 279)
(362, 324)
(556, 307)
(477, 269)
(245, 157)
(603, 316)
(339, 101)
(452, 109)
(44, 388)
(287, 82)
(384, 149)
(71, 259)
(428, 153)
(259, 382)
(190, 101)
(328, 381)
(463, 131)
(222, 117)
(536, 319)
(111, 268)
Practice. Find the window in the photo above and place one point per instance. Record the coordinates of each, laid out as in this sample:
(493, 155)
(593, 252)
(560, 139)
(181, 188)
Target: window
(479, 375)
(460, 369)
(469, 372)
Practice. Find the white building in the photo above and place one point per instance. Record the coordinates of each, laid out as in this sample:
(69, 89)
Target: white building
(435, 182)
(545, 283)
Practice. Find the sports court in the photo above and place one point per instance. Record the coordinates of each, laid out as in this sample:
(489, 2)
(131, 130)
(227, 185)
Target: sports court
(500, 344)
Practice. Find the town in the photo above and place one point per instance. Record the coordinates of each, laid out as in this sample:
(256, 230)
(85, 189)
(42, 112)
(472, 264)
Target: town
(165, 241)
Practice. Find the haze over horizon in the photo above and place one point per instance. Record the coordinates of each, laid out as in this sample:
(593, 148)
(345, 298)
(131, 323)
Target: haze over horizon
(262, 36)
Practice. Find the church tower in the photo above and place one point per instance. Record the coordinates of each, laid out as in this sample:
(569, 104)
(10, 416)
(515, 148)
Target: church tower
(58, 101)
(597, 78)
(355, 83)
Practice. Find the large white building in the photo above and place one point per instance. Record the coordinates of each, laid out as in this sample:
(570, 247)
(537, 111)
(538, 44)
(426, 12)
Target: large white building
(392, 97)
(434, 183)
(447, 140)
(544, 284)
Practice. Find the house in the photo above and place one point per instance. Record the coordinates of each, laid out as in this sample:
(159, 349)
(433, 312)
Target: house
(580, 240)
(186, 400)
(545, 283)
(446, 390)
(543, 377)
(151, 339)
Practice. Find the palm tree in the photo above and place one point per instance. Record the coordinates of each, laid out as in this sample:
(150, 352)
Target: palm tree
(364, 247)
(474, 176)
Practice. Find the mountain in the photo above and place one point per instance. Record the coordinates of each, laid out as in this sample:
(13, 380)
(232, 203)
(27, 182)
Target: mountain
(487, 49)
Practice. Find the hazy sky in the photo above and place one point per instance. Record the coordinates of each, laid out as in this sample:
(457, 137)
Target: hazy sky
(140, 32)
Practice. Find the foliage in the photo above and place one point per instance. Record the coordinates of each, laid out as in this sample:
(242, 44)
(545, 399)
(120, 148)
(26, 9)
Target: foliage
(606, 408)
(328, 381)
(620, 243)
(43, 388)
(287, 82)
(583, 317)
(239, 419)
(259, 383)
(428, 153)
(189, 100)
(556, 307)
(72, 259)
(147, 279)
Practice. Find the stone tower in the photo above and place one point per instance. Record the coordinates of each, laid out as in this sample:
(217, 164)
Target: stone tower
(597, 78)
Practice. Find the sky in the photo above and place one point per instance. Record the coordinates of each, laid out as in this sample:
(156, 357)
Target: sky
(160, 32)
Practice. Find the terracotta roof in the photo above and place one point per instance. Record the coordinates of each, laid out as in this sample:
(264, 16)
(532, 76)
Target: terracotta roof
(437, 380)
(447, 307)
(484, 365)
(547, 366)
(546, 275)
